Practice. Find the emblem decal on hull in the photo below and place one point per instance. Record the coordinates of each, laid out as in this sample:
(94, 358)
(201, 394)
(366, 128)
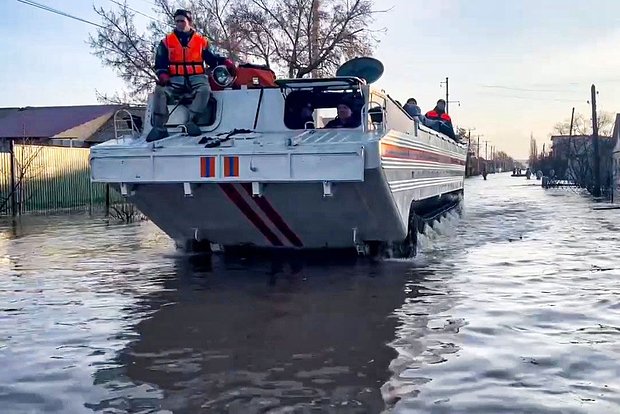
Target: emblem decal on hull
(207, 167)
(231, 166)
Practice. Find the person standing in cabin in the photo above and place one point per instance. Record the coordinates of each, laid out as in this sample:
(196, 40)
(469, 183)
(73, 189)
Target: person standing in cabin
(180, 67)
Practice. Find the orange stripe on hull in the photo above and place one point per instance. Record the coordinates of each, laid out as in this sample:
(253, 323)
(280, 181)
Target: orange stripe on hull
(396, 151)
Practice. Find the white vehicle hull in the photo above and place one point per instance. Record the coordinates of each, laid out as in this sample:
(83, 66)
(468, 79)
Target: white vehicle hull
(307, 189)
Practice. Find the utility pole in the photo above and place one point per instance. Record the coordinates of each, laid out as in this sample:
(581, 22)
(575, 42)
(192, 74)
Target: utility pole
(468, 158)
(486, 154)
(448, 101)
(468, 161)
(570, 137)
(478, 152)
(447, 96)
(447, 93)
(597, 161)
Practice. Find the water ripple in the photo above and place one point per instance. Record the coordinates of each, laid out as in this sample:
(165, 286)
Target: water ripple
(512, 307)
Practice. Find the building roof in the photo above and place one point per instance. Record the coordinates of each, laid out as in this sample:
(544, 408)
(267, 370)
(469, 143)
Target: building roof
(574, 137)
(4, 112)
(54, 122)
(563, 137)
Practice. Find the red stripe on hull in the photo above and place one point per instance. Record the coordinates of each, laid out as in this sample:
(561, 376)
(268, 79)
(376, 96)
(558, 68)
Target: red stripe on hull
(275, 218)
(245, 208)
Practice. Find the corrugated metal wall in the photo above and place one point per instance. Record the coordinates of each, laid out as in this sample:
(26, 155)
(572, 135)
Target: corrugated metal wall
(50, 179)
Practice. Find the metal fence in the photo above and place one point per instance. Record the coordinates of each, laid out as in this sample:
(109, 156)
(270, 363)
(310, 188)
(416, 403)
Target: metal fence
(49, 179)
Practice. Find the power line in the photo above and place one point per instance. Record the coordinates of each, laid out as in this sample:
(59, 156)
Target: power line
(59, 12)
(148, 2)
(510, 88)
(137, 11)
(71, 16)
(531, 98)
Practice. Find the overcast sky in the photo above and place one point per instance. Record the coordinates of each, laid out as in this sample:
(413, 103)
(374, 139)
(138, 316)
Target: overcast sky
(516, 66)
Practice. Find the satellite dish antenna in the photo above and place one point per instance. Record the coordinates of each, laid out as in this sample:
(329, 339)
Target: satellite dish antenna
(367, 68)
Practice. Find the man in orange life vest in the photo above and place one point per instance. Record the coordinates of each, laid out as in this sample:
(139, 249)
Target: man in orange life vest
(439, 114)
(180, 67)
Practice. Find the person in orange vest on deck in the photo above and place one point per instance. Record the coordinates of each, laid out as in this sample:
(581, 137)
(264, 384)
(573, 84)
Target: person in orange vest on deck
(180, 67)
(440, 120)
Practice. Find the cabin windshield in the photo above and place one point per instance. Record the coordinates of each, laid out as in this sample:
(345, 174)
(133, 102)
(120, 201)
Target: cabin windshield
(314, 104)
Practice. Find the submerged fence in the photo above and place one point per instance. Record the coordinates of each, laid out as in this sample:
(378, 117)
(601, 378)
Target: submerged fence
(46, 179)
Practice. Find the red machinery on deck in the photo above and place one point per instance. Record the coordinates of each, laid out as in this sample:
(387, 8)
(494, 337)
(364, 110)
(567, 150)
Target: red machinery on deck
(248, 75)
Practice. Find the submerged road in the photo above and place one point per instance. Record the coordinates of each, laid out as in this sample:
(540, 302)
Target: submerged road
(512, 308)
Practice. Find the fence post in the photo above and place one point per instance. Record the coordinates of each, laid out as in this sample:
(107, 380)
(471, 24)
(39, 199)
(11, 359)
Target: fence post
(13, 188)
(107, 200)
(90, 196)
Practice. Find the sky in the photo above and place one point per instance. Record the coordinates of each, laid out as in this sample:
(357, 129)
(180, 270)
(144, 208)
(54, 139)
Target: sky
(516, 67)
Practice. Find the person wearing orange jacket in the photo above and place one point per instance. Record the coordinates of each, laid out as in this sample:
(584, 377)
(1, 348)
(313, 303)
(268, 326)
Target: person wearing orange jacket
(440, 120)
(439, 112)
(181, 63)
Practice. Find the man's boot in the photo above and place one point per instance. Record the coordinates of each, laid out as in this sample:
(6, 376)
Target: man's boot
(159, 131)
(156, 134)
(193, 129)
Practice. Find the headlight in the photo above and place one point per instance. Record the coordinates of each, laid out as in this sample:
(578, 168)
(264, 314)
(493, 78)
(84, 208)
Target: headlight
(222, 76)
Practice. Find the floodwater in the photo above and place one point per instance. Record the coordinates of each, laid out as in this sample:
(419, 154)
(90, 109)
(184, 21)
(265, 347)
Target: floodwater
(512, 308)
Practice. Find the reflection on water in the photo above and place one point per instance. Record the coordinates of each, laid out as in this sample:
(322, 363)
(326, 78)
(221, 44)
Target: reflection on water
(234, 339)
(510, 308)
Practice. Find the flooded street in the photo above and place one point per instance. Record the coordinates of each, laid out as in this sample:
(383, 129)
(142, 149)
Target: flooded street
(512, 308)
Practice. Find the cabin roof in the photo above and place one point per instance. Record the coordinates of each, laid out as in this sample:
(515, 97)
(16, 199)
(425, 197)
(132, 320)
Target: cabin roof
(337, 82)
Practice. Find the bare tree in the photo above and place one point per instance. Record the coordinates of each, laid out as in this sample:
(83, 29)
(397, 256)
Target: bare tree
(305, 36)
(27, 167)
(582, 125)
(294, 37)
(505, 161)
(576, 154)
(579, 166)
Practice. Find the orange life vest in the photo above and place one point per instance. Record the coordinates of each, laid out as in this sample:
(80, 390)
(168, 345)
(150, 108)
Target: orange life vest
(186, 60)
(435, 115)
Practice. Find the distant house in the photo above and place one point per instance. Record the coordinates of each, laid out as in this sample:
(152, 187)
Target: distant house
(70, 126)
(44, 155)
(573, 158)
